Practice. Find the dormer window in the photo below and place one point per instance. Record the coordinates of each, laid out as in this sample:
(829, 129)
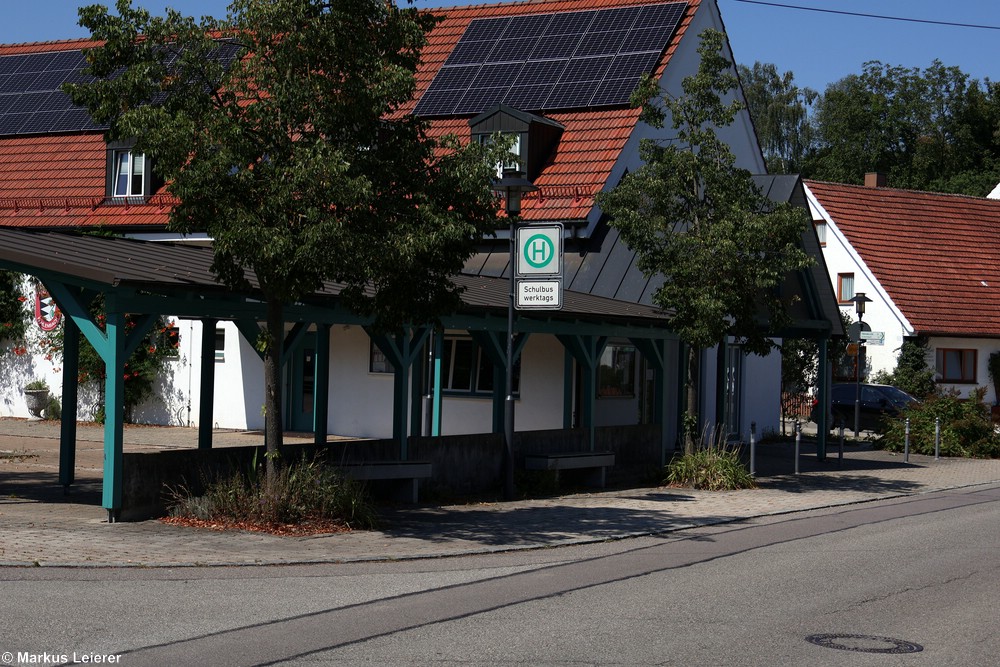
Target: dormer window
(535, 137)
(130, 169)
(129, 173)
(514, 161)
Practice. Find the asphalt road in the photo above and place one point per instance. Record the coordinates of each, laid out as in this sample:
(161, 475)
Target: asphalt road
(913, 573)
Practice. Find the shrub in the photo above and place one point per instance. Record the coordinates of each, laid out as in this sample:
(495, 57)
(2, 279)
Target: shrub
(966, 429)
(304, 491)
(715, 468)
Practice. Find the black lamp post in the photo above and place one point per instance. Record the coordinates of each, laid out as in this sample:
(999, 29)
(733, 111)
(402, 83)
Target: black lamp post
(511, 187)
(859, 300)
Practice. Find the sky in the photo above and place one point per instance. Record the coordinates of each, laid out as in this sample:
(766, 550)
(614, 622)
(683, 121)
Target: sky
(818, 46)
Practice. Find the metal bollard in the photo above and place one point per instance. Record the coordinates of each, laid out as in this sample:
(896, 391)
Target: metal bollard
(906, 443)
(937, 438)
(840, 455)
(753, 449)
(798, 443)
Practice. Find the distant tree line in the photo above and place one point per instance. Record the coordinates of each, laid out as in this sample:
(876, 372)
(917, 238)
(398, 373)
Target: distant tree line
(932, 129)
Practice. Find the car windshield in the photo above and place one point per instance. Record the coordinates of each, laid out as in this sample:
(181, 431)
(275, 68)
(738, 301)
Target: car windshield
(898, 397)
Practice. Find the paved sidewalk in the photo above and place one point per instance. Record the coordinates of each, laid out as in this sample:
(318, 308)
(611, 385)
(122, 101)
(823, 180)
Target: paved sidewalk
(39, 526)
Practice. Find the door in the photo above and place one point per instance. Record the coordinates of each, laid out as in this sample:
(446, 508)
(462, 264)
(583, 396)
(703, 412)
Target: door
(302, 387)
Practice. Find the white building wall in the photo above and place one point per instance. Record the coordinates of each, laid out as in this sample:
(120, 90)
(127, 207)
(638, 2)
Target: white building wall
(881, 314)
(983, 346)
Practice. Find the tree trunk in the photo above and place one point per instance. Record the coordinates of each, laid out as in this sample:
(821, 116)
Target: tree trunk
(691, 422)
(274, 335)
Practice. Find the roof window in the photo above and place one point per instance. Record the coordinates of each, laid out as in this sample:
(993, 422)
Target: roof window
(535, 137)
(130, 175)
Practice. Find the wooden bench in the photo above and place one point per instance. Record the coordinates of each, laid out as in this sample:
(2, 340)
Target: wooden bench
(596, 462)
(401, 479)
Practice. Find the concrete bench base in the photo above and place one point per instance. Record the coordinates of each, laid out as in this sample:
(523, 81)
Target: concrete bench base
(401, 479)
(596, 462)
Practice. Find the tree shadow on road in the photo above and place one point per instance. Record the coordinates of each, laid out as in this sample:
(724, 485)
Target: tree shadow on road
(526, 526)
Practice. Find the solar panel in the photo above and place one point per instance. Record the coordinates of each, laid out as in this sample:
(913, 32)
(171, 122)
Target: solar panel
(31, 97)
(560, 60)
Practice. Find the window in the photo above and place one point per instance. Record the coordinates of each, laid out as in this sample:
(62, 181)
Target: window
(820, 226)
(845, 287)
(514, 162)
(220, 344)
(129, 174)
(616, 373)
(466, 369)
(377, 361)
(957, 366)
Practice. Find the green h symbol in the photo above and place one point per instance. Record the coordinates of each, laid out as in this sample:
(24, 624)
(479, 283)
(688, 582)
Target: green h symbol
(539, 251)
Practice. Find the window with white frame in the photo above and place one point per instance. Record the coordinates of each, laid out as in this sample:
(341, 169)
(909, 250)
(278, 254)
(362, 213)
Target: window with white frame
(616, 373)
(467, 369)
(957, 366)
(129, 174)
(845, 287)
(377, 361)
(220, 344)
(514, 161)
(820, 227)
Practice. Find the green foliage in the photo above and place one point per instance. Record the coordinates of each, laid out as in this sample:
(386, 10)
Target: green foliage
(697, 219)
(37, 385)
(930, 129)
(912, 374)
(142, 370)
(297, 159)
(53, 410)
(307, 490)
(993, 367)
(13, 314)
(782, 115)
(966, 428)
(714, 468)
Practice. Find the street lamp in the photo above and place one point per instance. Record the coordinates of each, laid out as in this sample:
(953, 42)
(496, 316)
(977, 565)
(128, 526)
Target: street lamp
(511, 187)
(859, 300)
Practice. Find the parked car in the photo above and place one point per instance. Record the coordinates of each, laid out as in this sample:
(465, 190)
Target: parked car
(878, 401)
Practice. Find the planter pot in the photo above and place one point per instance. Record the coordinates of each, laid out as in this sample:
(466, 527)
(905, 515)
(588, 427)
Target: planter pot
(36, 400)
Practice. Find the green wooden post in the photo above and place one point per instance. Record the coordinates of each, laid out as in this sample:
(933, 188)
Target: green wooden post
(67, 429)
(436, 409)
(206, 407)
(114, 412)
(417, 373)
(655, 352)
(587, 350)
(321, 392)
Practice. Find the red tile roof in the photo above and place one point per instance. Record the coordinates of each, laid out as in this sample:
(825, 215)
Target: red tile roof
(59, 177)
(593, 139)
(58, 181)
(937, 255)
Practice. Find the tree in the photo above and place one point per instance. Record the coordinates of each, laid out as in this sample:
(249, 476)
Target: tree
(931, 129)
(12, 312)
(912, 373)
(698, 220)
(782, 115)
(279, 130)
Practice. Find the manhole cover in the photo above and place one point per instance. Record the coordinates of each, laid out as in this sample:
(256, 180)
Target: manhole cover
(865, 643)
